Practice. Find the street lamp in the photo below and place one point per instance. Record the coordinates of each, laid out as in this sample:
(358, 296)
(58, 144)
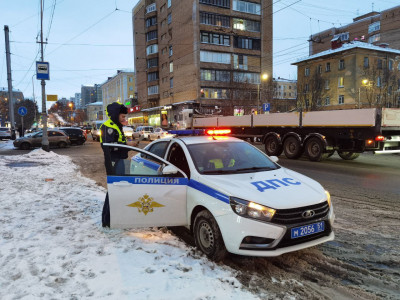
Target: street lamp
(70, 113)
(364, 82)
(264, 77)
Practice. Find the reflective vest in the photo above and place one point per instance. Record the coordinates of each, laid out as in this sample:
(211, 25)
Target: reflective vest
(218, 163)
(111, 124)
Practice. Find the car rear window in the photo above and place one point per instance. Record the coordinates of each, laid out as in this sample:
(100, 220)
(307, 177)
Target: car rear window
(4, 129)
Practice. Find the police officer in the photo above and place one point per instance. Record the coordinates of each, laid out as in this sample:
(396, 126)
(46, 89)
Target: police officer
(111, 132)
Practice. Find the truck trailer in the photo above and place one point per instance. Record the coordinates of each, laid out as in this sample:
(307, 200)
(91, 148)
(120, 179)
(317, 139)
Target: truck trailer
(317, 134)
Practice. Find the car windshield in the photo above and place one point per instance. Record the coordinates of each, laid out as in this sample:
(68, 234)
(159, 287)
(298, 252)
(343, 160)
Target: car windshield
(229, 158)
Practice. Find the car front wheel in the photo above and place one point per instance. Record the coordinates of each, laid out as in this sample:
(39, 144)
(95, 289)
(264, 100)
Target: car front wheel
(25, 146)
(62, 144)
(208, 237)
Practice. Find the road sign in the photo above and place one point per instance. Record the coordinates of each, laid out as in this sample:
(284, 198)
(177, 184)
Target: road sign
(22, 111)
(42, 70)
(266, 107)
(51, 97)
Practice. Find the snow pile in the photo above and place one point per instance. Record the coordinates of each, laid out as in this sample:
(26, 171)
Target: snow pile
(52, 244)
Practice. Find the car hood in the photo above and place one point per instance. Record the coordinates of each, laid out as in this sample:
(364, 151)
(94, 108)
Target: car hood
(279, 189)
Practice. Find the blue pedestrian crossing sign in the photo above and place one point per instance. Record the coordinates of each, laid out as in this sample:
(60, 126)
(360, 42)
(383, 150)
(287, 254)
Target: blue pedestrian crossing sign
(266, 107)
(22, 111)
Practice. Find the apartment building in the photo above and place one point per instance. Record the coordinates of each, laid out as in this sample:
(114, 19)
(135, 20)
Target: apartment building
(205, 54)
(375, 28)
(284, 95)
(353, 75)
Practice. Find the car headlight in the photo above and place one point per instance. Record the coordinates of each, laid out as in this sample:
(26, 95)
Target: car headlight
(328, 197)
(248, 209)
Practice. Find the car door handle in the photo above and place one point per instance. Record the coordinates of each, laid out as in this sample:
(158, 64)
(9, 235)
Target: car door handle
(122, 183)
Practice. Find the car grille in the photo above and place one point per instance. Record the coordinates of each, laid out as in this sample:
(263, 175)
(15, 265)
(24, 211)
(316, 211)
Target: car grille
(295, 215)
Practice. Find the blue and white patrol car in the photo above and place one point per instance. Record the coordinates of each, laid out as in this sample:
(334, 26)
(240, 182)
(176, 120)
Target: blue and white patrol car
(232, 196)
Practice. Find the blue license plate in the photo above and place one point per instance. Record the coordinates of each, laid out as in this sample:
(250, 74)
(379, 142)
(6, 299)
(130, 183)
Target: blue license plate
(307, 230)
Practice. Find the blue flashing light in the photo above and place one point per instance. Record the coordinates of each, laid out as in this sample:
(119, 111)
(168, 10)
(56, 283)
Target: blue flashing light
(188, 132)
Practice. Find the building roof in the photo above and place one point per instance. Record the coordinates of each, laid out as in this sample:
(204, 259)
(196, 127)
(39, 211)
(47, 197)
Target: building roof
(345, 47)
(95, 103)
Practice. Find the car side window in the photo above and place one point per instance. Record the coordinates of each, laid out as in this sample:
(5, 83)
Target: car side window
(177, 157)
(57, 133)
(159, 149)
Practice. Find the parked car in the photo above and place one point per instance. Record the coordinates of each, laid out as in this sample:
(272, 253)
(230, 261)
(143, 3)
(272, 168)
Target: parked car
(76, 135)
(159, 133)
(128, 131)
(5, 133)
(57, 138)
(96, 130)
(143, 132)
(33, 129)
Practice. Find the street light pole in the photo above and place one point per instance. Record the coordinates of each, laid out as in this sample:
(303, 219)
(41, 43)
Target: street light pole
(263, 77)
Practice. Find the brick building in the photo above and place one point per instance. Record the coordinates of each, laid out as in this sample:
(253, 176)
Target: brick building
(353, 75)
(206, 54)
(375, 27)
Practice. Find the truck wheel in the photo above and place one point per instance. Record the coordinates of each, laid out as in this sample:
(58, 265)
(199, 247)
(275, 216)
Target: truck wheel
(315, 149)
(292, 147)
(25, 146)
(208, 237)
(272, 146)
(348, 155)
(330, 153)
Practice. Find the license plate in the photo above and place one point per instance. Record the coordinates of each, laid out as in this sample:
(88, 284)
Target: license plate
(307, 230)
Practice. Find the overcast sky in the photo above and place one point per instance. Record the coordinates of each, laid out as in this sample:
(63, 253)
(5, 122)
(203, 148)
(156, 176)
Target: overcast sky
(89, 40)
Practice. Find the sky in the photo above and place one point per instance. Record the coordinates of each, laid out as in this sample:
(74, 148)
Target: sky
(90, 40)
(52, 243)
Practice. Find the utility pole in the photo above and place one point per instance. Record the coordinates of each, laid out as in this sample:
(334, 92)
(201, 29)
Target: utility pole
(45, 140)
(9, 79)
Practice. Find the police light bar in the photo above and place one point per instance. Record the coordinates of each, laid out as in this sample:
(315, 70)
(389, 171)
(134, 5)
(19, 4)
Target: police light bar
(218, 131)
(187, 132)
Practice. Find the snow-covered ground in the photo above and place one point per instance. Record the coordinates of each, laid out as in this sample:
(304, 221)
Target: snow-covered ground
(52, 244)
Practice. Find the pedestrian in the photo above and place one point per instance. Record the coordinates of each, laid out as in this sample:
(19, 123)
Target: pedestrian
(111, 132)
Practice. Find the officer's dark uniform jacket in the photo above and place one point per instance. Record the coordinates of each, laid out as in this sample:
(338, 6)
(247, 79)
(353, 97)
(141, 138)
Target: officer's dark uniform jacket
(111, 131)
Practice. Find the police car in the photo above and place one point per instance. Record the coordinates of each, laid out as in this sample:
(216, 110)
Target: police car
(232, 196)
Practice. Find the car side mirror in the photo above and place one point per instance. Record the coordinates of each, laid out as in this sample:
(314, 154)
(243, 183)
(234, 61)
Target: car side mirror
(168, 170)
(274, 158)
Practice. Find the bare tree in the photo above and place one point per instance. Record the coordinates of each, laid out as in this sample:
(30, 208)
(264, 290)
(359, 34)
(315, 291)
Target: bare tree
(311, 91)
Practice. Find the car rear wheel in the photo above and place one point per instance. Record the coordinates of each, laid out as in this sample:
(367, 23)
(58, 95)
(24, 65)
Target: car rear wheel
(62, 144)
(25, 146)
(208, 237)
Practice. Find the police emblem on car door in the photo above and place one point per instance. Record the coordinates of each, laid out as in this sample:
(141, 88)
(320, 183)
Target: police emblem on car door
(144, 190)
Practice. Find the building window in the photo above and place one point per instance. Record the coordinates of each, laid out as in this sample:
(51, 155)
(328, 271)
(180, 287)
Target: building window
(152, 49)
(215, 38)
(240, 61)
(307, 72)
(214, 19)
(341, 64)
(246, 43)
(130, 79)
(390, 65)
(379, 81)
(327, 101)
(171, 82)
(131, 88)
(374, 27)
(366, 62)
(220, 3)
(169, 3)
(151, 21)
(341, 82)
(247, 25)
(152, 76)
(162, 9)
(169, 19)
(153, 62)
(319, 69)
(328, 67)
(374, 38)
(246, 77)
(341, 99)
(306, 87)
(215, 75)
(164, 50)
(170, 51)
(215, 57)
(327, 82)
(214, 93)
(150, 8)
(341, 36)
(152, 90)
(151, 35)
(379, 62)
(246, 7)
(171, 66)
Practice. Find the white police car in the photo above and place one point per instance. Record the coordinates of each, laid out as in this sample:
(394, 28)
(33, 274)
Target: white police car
(232, 196)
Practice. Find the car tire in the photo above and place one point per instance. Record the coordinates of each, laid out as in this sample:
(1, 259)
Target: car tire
(25, 146)
(292, 147)
(208, 237)
(315, 149)
(272, 146)
(348, 155)
(62, 144)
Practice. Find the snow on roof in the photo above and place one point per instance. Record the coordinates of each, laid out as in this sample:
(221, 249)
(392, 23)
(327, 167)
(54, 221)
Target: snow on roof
(348, 46)
(95, 103)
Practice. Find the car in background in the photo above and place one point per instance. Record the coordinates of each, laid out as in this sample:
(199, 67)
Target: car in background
(143, 132)
(159, 133)
(87, 128)
(76, 135)
(96, 130)
(57, 138)
(5, 133)
(128, 131)
(33, 129)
